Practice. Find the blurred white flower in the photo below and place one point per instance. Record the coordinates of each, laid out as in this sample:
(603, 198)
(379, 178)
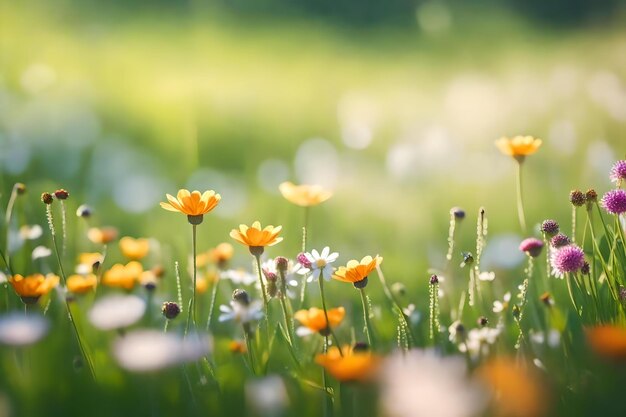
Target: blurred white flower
(421, 384)
(116, 311)
(267, 396)
(321, 264)
(31, 232)
(239, 276)
(151, 350)
(487, 276)
(552, 338)
(241, 312)
(3, 278)
(499, 306)
(478, 341)
(41, 252)
(20, 330)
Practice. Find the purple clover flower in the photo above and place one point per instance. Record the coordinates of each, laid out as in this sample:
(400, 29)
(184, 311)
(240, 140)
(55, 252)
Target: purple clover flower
(614, 201)
(560, 240)
(550, 227)
(618, 172)
(566, 259)
(532, 246)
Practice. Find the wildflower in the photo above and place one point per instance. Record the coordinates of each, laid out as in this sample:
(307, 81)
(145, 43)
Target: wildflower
(102, 235)
(151, 350)
(456, 332)
(607, 340)
(320, 264)
(618, 172)
(547, 299)
(420, 383)
(28, 232)
(20, 330)
(170, 310)
(88, 262)
(80, 284)
(458, 213)
(487, 276)
(19, 188)
(282, 263)
(500, 306)
(148, 280)
(134, 249)
(577, 198)
(304, 195)
(559, 240)
(40, 252)
(116, 311)
(47, 198)
(124, 276)
(519, 147)
(31, 287)
(355, 365)
(256, 238)
(61, 194)
(237, 346)
(482, 321)
(550, 227)
(221, 254)
(569, 258)
(84, 211)
(614, 201)
(267, 396)
(303, 260)
(313, 320)
(434, 279)
(239, 277)
(241, 309)
(195, 204)
(517, 391)
(591, 196)
(478, 341)
(202, 283)
(356, 272)
(532, 246)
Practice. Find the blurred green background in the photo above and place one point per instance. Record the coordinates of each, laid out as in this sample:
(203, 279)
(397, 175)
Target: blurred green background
(394, 105)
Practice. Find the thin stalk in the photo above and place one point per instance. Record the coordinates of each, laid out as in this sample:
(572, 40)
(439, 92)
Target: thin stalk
(574, 211)
(7, 221)
(212, 304)
(246, 335)
(304, 236)
(392, 299)
(263, 289)
(192, 310)
(63, 227)
(328, 328)
(286, 317)
(366, 315)
(520, 202)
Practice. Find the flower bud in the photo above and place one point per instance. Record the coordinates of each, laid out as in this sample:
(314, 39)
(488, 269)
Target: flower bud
(577, 198)
(61, 194)
(170, 310)
(241, 296)
(47, 198)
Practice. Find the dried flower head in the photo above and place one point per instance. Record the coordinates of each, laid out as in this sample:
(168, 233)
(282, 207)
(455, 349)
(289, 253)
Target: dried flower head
(47, 198)
(591, 196)
(434, 279)
(170, 310)
(458, 213)
(577, 198)
(550, 227)
(614, 201)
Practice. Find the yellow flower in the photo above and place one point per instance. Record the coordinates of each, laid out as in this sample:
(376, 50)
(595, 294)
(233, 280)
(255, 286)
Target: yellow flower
(255, 237)
(90, 258)
(134, 249)
(518, 147)
(201, 285)
(237, 346)
(123, 276)
(102, 235)
(222, 253)
(31, 287)
(354, 365)
(314, 319)
(608, 341)
(148, 279)
(80, 284)
(194, 204)
(356, 272)
(304, 195)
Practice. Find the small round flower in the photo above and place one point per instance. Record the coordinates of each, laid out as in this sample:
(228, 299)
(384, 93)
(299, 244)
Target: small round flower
(550, 227)
(614, 201)
(518, 147)
(532, 246)
(282, 263)
(31, 287)
(569, 258)
(47, 198)
(303, 260)
(81, 284)
(577, 198)
(194, 204)
(20, 188)
(618, 172)
(313, 320)
(320, 264)
(61, 194)
(304, 195)
(255, 237)
(356, 272)
(560, 240)
(458, 213)
(170, 310)
(434, 279)
(84, 211)
(134, 249)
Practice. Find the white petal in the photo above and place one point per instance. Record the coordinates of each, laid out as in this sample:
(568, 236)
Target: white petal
(325, 252)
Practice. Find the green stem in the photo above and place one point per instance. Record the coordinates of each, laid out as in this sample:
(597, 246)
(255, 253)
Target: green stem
(7, 221)
(192, 310)
(265, 300)
(520, 202)
(392, 299)
(212, 304)
(366, 315)
(304, 236)
(246, 335)
(328, 328)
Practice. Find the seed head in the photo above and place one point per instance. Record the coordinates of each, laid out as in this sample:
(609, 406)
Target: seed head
(434, 279)
(170, 310)
(458, 213)
(577, 198)
(47, 198)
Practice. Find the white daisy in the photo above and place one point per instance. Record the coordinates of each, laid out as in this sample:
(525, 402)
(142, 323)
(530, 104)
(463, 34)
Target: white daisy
(19, 330)
(241, 312)
(321, 264)
(116, 311)
(239, 276)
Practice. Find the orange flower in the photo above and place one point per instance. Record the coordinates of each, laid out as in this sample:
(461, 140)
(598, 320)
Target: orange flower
(356, 272)
(222, 253)
(304, 195)
(255, 237)
(518, 147)
(237, 346)
(314, 320)
(608, 341)
(517, 391)
(31, 287)
(134, 249)
(102, 235)
(194, 204)
(123, 276)
(354, 365)
(90, 258)
(80, 284)
(201, 285)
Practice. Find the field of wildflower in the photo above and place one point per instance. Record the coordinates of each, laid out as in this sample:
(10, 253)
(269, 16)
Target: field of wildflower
(207, 211)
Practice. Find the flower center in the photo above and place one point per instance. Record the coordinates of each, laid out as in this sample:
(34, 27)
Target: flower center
(321, 263)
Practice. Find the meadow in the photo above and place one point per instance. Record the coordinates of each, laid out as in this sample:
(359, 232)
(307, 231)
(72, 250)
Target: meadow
(380, 142)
